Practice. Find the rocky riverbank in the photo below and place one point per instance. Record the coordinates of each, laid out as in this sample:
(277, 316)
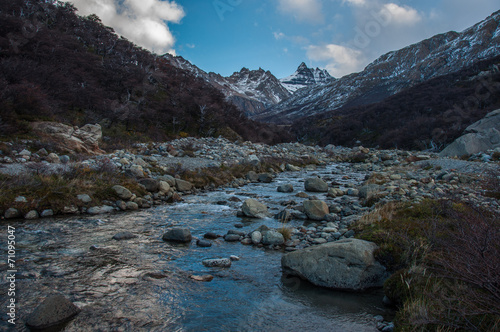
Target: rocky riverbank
(157, 169)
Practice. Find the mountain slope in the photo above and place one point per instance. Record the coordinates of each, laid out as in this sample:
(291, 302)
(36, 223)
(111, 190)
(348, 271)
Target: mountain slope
(306, 77)
(395, 71)
(252, 91)
(75, 70)
(429, 115)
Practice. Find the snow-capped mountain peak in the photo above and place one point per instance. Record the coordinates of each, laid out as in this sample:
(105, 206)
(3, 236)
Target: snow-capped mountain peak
(306, 77)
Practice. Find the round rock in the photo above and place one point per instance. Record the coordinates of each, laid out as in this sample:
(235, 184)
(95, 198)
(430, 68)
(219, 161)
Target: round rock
(181, 235)
(54, 310)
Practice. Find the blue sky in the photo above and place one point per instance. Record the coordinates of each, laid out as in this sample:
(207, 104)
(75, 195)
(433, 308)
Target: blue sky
(342, 36)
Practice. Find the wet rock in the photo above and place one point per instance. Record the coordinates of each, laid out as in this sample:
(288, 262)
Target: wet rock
(12, 213)
(122, 192)
(124, 236)
(151, 185)
(265, 178)
(219, 262)
(292, 168)
(302, 195)
(256, 237)
(232, 237)
(335, 192)
(182, 235)
(234, 258)
(204, 278)
(315, 209)
(285, 188)
(54, 310)
(254, 209)
(347, 264)
(183, 186)
(168, 179)
(246, 241)
(211, 236)
(33, 214)
(316, 185)
(203, 243)
(273, 237)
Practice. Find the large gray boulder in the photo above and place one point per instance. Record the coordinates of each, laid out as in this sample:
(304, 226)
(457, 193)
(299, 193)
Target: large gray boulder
(54, 310)
(316, 185)
(122, 192)
(183, 186)
(479, 137)
(347, 264)
(273, 237)
(315, 209)
(254, 209)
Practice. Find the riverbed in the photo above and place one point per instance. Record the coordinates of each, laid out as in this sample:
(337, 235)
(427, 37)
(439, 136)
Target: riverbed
(144, 284)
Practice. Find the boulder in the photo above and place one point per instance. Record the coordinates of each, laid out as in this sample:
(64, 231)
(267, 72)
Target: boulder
(285, 188)
(71, 139)
(335, 192)
(220, 262)
(292, 168)
(254, 209)
(163, 187)
(12, 213)
(84, 198)
(182, 235)
(203, 243)
(316, 209)
(47, 213)
(316, 185)
(369, 191)
(95, 210)
(273, 237)
(183, 186)
(252, 176)
(132, 206)
(347, 264)
(137, 171)
(122, 192)
(53, 158)
(479, 137)
(54, 310)
(284, 216)
(256, 237)
(151, 185)
(265, 178)
(31, 215)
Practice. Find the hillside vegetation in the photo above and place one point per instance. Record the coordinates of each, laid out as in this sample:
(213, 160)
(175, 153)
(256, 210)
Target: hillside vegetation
(58, 66)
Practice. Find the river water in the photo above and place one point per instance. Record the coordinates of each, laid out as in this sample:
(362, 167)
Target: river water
(144, 284)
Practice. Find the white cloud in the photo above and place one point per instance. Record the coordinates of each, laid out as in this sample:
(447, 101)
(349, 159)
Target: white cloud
(401, 15)
(278, 35)
(143, 22)
(358, 3)
(341, 60)
(303, 10)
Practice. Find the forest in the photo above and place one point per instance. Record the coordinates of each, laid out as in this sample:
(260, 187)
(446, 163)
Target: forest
(58, 66)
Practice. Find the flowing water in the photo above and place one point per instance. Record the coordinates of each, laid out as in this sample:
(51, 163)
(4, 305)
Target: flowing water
(144, 284)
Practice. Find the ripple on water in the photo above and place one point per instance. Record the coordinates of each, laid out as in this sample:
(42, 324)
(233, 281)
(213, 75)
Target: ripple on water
(145, 284)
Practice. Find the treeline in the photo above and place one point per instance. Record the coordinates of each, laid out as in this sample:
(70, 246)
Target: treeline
(427, 116)
(58, 66)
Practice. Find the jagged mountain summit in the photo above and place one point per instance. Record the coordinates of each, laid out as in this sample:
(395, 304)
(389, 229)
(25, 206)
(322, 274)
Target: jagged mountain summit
(252, 91)
(306, 77)
(394, 72)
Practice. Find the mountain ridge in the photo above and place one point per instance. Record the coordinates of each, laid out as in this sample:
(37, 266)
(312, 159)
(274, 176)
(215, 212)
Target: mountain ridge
(305, 77)
(393, 72)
